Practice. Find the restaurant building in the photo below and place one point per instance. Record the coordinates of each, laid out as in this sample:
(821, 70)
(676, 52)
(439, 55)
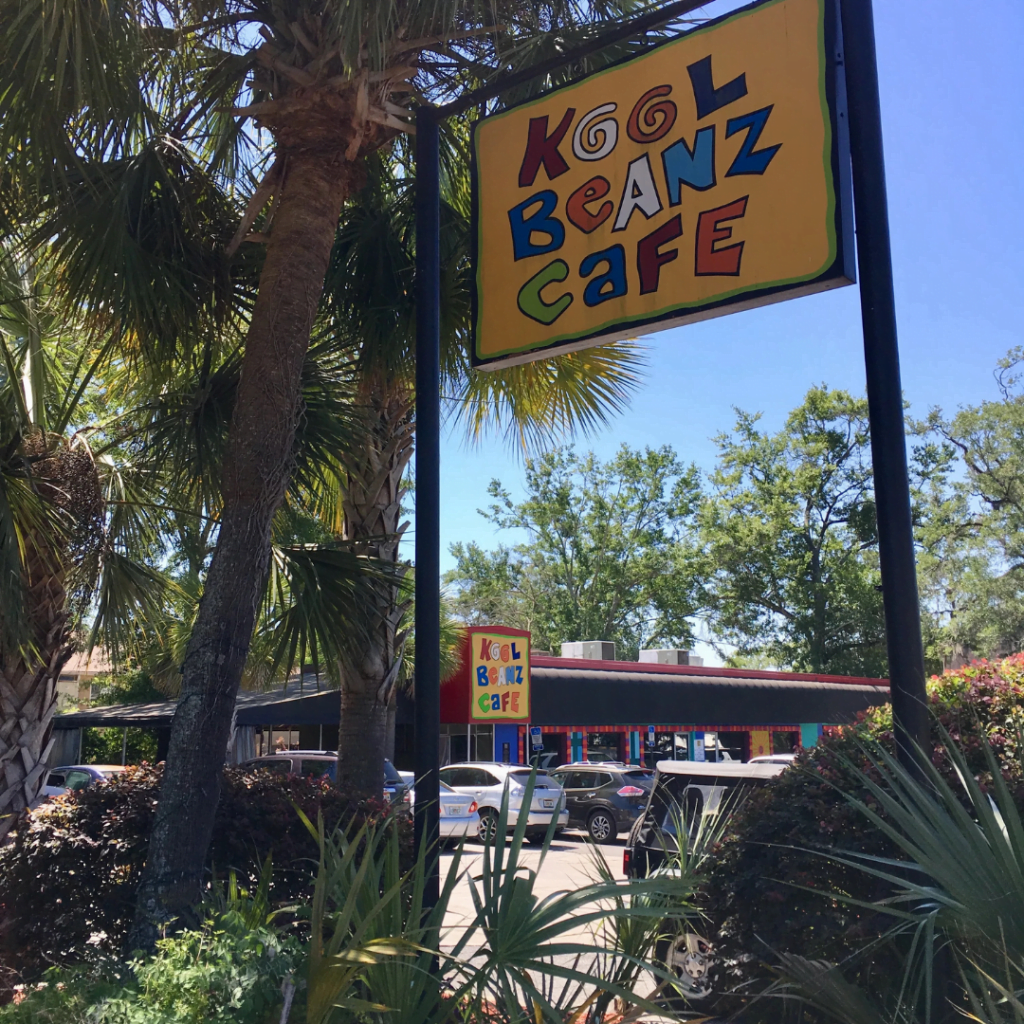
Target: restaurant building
(589, 706)
(507, 703)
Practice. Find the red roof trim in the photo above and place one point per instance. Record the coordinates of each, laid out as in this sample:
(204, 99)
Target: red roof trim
(544, 661)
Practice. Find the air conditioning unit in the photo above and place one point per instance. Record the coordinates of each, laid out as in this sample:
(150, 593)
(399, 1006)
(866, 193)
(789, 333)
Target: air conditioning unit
(591, 650)
(669, 656)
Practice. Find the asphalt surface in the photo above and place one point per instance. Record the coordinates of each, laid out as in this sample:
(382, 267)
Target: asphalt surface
(568, 864)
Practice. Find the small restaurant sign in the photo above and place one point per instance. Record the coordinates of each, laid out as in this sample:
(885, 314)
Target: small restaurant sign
(705, 176)
(499, 677)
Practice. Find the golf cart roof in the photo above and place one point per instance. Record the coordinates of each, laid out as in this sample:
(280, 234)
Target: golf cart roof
(721, 769)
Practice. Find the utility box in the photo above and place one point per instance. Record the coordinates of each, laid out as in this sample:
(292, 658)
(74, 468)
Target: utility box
(590, 650)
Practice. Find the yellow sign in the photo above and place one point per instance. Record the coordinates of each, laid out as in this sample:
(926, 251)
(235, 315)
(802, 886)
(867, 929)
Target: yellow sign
(700, 178)
(760, 742)
(499, 677)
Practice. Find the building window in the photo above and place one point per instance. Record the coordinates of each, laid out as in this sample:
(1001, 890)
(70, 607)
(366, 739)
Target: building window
(604, 746)
(785, 742)
(466, 743)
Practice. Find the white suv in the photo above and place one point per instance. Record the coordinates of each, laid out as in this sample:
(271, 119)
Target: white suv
(486, 782)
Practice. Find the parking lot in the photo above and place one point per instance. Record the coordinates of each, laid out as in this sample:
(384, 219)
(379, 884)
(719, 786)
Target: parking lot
(568, 865)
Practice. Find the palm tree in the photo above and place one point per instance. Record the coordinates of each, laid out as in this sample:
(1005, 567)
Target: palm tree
(64, 524)
(369, 297)
(111, 107)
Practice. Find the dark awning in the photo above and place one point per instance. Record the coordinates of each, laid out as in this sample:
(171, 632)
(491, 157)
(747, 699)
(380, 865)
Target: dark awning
(585, 696)
(575, 695)
(276, 707)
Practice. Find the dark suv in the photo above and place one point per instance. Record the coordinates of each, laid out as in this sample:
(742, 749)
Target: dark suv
(605, 799)
(318, 763)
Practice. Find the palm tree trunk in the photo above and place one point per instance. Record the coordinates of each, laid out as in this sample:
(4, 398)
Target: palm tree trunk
(28, 693)
(372, 521)
(257, 469)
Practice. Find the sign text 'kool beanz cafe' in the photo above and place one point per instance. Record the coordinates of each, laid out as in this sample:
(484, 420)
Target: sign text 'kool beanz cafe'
(704, 176)
(499, 677)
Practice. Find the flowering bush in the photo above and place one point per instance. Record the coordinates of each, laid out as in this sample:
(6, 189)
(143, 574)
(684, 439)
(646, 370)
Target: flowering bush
(772, 888)
(68, 880)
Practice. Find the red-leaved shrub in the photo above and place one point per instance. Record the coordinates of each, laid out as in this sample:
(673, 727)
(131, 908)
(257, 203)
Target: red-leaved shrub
(68, 878)
(770, 883)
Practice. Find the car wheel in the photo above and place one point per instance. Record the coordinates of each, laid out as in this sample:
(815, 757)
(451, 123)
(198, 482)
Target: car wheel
(488, 827)
(601, 826)
(688, 958)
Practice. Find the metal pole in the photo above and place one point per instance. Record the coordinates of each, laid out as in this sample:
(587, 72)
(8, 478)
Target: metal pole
(885, 394)
(428, 456)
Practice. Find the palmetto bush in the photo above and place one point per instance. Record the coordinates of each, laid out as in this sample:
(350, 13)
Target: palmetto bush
(956, 900)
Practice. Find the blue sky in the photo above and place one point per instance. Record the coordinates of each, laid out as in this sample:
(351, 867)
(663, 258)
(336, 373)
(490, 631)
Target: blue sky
(952, 101)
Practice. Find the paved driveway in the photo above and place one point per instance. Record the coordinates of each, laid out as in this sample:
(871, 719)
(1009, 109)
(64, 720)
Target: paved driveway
(568, 865)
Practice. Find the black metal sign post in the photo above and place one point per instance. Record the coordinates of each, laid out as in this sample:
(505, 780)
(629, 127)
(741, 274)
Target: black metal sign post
(885, 394)
(428, 494)
(427, 681)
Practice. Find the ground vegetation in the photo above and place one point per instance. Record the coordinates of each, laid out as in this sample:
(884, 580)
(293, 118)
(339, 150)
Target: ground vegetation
(790, 875)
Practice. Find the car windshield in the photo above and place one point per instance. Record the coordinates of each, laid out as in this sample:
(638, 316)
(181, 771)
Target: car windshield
(639, 773)
(391, 773)
(525, 774)
(445, 788)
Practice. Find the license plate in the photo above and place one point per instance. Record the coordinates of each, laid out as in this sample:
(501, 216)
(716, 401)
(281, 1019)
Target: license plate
(547, 803)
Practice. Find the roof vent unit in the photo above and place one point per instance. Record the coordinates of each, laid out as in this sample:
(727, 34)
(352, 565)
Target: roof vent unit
(590, 650)
(669, 656)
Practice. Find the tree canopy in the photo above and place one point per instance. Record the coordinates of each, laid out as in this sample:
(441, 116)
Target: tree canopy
(772, 555)
(602, 556)
(787, 537)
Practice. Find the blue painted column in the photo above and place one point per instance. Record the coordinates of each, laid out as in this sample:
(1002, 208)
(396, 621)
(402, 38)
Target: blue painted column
(697, 747)
(506, 733)
(634, 747)
(809, 733)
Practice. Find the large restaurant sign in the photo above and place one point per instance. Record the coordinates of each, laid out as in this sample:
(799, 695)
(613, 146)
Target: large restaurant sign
(705, 176)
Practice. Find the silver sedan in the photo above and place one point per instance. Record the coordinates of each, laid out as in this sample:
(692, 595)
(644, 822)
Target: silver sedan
(458, 814)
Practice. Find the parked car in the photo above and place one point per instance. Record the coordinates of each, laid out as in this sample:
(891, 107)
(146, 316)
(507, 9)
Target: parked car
(684, 794)
(545, 759)
(783, 759)
(604, 798)
(73, 777)
(458, 814)
(317, 763)
(486, 782)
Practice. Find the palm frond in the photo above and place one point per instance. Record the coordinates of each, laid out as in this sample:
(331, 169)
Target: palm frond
(140, 242)
(314, 605)
(536, 405)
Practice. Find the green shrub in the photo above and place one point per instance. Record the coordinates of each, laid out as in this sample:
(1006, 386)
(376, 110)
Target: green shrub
(104, 746)
(770, 888)
(68, 880)
(223, 973)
